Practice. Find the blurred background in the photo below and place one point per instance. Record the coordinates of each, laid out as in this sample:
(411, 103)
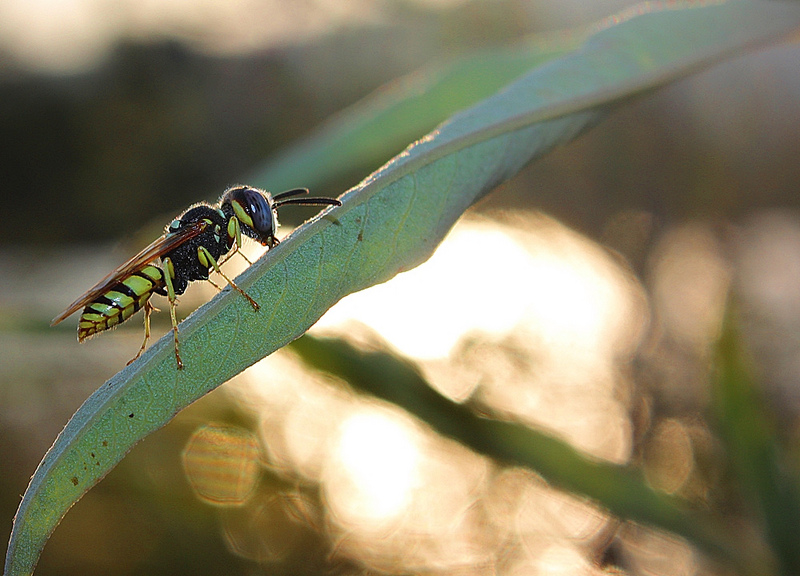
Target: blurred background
(582, 298)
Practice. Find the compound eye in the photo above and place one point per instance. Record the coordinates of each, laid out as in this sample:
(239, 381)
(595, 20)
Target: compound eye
(259, 210)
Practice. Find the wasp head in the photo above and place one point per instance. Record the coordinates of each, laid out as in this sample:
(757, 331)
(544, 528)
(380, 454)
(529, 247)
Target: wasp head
(255, 211)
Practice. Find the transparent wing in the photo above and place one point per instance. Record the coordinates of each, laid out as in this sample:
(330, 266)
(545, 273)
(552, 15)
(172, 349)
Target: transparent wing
(158, 248)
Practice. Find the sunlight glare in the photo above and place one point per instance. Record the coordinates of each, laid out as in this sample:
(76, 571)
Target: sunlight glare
(455, 292)
(488, 278)
(563, 559)
(533, 320)
(377, 459)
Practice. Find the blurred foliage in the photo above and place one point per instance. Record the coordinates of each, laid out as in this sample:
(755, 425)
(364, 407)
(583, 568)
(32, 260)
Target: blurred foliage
(620, 489)
(158, 126)
(764, 468)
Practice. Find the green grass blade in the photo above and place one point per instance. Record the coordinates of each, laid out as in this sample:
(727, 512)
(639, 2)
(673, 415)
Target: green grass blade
(391, 222)
(758, 460)
(620, 489)
(362, 137)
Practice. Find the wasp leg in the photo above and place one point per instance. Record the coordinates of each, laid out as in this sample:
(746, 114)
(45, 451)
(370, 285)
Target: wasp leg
(228, 256)
(207, 259)
(235, 232)
(215, 285)
(169, 273)
(148, 309)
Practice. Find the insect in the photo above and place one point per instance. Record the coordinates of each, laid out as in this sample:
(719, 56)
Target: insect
(194, 244)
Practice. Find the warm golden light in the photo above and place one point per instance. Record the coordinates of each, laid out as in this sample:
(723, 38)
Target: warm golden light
(425, 311)
(669, 459)
(690, 282)
(530, 312)
(298, 413)
(374, 469)
(558, 559)
(527, 318)
(490, 279)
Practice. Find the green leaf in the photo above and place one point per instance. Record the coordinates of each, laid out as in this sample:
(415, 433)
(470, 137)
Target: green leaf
(760, 463)
(389, 223)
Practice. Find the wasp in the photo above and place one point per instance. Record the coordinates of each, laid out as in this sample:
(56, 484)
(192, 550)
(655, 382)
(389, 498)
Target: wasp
(192, 246)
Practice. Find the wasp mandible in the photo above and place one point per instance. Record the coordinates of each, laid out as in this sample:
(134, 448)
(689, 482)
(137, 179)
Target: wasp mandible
(193, 245)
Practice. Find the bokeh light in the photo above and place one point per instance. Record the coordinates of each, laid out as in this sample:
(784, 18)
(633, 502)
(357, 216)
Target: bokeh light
(73, 34)
(267, 530)
(669, 456)
(691, 278)
(375, 469)
(539, 335)
(222, 464)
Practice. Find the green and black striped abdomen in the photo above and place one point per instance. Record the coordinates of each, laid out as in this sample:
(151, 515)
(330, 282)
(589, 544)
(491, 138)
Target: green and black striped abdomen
(120, 302)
